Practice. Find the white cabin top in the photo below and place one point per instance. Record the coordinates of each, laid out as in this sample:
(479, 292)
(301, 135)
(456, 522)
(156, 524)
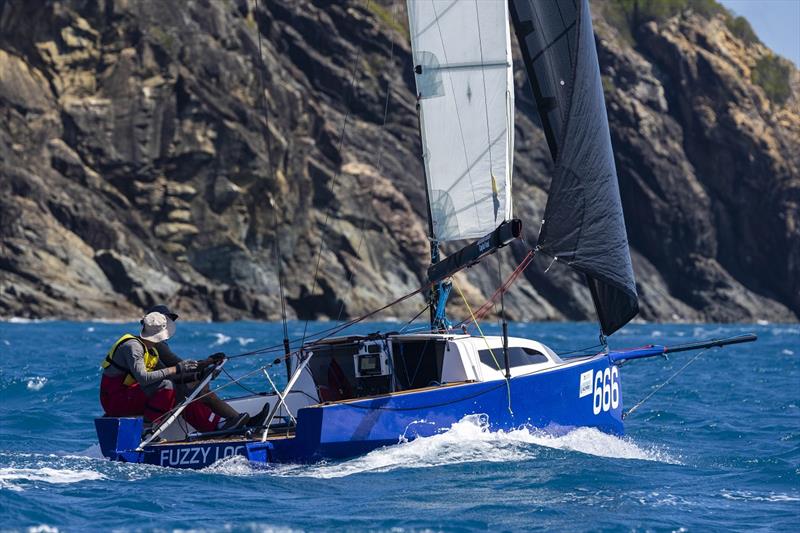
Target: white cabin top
(410, 361)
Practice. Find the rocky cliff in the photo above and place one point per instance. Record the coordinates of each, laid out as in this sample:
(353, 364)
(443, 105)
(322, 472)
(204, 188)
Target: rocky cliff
(136, 165)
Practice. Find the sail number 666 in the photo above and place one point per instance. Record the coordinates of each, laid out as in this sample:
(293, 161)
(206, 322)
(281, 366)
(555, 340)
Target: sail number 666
(606, 390)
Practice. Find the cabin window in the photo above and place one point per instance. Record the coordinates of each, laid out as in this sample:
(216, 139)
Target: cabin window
(417, 364)
(517, 356)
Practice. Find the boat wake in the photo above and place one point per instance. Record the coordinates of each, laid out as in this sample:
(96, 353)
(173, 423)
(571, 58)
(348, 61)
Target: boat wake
(594, 442)
(468, 441)
(15, 478)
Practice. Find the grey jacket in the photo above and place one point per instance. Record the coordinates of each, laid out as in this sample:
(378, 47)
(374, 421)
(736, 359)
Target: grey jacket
(130, 355)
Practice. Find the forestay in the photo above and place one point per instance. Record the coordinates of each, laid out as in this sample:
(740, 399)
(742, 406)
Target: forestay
(583, 223)
(465, 91)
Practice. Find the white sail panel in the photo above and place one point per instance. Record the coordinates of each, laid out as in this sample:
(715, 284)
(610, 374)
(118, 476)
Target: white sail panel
(465, 91)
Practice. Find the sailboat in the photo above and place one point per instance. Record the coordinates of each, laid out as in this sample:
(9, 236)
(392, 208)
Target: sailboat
(348, 395)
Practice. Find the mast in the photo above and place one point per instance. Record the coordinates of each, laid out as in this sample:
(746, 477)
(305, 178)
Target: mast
(440, 291)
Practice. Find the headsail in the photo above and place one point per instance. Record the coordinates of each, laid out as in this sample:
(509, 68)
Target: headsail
(465, 90)
(583, 223)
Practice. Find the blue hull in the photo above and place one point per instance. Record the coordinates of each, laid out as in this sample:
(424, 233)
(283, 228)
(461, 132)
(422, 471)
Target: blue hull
(582, 394)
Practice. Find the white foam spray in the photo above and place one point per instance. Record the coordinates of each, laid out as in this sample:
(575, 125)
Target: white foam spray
(221, 339)
(10, 478)
(42, 528)
(36, 383)
(468, 441)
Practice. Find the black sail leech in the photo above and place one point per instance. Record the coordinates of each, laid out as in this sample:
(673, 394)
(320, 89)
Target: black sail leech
(583, 222)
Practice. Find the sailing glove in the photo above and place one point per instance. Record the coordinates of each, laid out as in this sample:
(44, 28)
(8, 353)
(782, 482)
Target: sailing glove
(187, 366)
(213, 359)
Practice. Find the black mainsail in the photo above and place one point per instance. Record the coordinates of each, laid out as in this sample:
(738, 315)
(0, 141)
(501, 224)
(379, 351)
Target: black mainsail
(583, 223)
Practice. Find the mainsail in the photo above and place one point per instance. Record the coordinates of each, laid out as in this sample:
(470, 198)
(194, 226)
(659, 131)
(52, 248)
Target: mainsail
(465, 92)
(583, 224)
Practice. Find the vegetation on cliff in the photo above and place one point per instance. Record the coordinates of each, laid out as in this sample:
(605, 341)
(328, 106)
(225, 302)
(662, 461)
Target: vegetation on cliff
(772, 73)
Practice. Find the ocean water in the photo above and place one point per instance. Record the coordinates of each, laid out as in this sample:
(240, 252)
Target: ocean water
(717, 449)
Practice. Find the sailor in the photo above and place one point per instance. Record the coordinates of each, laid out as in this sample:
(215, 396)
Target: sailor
(142, 376)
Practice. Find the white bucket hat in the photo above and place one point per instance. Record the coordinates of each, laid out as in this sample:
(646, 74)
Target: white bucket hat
(157, 327)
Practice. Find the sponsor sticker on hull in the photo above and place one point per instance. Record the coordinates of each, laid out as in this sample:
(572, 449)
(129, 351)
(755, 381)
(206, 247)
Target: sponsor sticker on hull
(586, 384)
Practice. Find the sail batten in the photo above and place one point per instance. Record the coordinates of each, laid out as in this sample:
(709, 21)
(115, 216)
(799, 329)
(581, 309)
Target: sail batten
(465, 93)
(583, 223)
(457, 66)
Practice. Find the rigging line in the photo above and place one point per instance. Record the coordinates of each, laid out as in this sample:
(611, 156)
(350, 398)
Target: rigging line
(268, 139)
(503, 322)
(483, 309)
(421, 356)
(248, 389)
(469, 309)
(419, 360)
(376, 311)
(507, 378)
(560, 353)
(334, 181)
(424, 308)
(167, 414)
(420, 328)
(661, 386)
(335, 329)
(379, 167)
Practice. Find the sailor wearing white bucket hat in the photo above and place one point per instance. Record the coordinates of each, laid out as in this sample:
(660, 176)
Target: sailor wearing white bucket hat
(157, 327)
(141, 373)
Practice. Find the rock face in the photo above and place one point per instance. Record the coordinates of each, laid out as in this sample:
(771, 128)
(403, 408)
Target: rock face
(137, 166)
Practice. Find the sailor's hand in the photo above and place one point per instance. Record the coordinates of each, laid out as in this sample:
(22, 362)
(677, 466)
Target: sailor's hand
(211, 360)
(187, 366)
(214, 359)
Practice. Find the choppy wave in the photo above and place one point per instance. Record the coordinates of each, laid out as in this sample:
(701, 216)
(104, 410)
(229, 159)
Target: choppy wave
(221, 339)
(756, 497)
(15, 478)
(786, 330)
(36, 383)
(42, 528)
(469, 440)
